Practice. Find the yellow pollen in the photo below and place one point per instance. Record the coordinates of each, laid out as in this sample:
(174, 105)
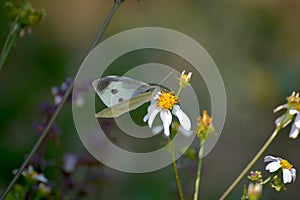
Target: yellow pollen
(185, 77)
(167, 100)
(285, 164)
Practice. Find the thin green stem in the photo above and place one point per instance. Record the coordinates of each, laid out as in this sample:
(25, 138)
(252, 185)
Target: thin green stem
(267, 180)
(178, 92)
(256, 157)
(197, 182)
(10, 40)
(11, 37)
(59, 107)
(176, 171)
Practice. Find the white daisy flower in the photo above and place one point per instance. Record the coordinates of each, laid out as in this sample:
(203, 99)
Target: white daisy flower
(32, 174)
(162, 103)
(276, 163)
(294, 115)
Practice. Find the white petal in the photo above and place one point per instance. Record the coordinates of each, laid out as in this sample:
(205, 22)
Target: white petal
(287, 176)
(184, 120)
(166, 118)
(293, 111)
(293, 171)
(182, 73)
(155, 97)
(151, 107)
(273, 166)
(280, 107)
(294, 132)
(149, 110)
(271, 158)
(146, 117)
(297, 121)
(295, 127)
(157, 129)
(152, 115)
(40, 178)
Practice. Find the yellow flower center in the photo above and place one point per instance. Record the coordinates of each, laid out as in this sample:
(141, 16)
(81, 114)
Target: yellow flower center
(167, 100)
(285, 164)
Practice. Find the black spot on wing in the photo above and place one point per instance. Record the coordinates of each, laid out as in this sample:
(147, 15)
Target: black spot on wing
(121, 99)
(105, 82)
(114, 91)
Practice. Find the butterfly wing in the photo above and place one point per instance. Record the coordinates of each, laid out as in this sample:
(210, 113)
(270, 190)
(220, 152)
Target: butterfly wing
(121, 94)
(115, 89)
(125, 106)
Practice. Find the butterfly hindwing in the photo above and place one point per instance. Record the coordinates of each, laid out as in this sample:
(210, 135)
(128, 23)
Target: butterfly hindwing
(125, 106)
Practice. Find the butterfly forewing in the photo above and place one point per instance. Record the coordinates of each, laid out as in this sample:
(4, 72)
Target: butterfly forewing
(114, 90)
(121, 94)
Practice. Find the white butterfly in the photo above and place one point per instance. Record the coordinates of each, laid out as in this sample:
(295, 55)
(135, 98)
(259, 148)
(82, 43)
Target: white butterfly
(121, 94)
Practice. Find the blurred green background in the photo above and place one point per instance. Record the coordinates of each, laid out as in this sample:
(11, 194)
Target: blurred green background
(255, 44)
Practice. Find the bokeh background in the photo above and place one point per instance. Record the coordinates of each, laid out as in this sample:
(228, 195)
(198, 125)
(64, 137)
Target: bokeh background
(255, 44)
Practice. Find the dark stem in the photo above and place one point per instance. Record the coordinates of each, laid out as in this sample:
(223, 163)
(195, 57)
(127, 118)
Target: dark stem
(59, 107)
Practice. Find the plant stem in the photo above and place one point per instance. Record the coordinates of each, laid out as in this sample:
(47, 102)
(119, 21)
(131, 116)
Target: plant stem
(10, 40)
(256, 157)
(178, 92)
(197, 182)
(267, 180)
(59, 107)
(176, 171)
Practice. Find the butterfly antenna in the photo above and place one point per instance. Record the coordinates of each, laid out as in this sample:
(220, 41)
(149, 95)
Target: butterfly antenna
(166, 77)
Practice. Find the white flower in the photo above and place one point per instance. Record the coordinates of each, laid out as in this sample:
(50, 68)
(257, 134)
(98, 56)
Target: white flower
(294, 110)
(288, 172)
(32, 174)
(162, 103)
